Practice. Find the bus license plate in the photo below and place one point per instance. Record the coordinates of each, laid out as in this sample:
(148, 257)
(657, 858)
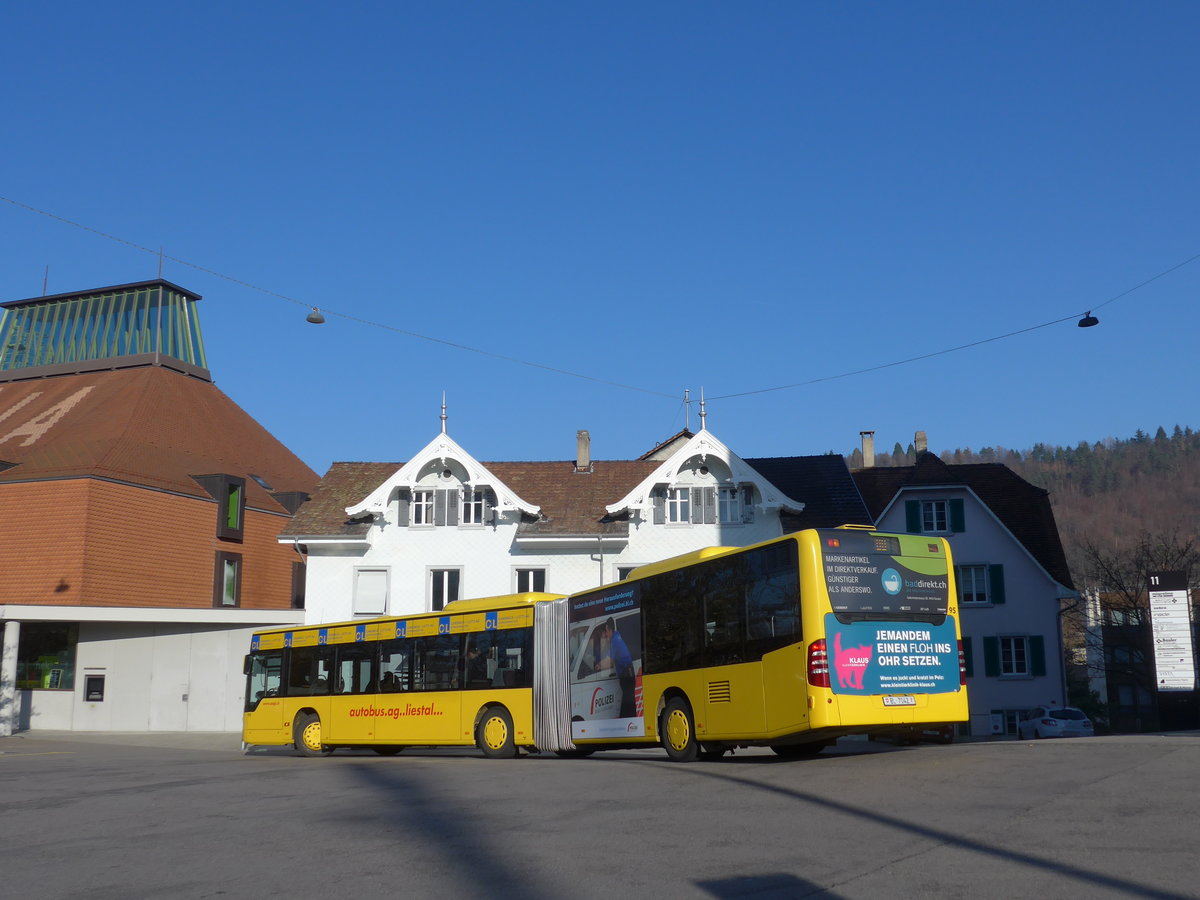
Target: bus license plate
(899, 701)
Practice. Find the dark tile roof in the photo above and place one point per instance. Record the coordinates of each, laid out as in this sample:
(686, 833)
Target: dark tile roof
(345, 484)
(822, 483)
(150, 426)
(572, 503)
(1023, 508)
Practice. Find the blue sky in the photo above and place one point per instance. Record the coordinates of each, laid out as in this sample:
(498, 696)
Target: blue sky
(651, 196)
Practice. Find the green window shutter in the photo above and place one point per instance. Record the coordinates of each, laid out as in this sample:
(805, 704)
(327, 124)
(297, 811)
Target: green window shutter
(968, 656)
(957, 517)
(991, 657)
(1037, 654)
(660, 507)
(912, 516)
(402, 517)
(996, 583)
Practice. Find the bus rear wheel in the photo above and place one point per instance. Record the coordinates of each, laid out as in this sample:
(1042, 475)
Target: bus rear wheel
(677, 731)
(308, 735)
(494, 734)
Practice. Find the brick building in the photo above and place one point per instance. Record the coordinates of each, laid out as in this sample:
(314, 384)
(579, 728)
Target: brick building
(139, 514)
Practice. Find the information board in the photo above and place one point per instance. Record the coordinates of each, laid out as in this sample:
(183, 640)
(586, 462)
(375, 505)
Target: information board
(1170, 617)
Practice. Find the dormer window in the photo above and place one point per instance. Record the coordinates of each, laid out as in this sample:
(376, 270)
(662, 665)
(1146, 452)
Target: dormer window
(422, 507)
(473, 504)
(430, 506)
(230, 493)
(679, 505)
(729, 506)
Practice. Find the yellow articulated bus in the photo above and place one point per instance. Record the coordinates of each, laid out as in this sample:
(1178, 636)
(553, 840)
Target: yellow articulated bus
(787, 644)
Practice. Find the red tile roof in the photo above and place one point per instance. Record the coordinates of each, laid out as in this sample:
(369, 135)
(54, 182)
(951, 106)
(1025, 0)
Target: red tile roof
(148, 426)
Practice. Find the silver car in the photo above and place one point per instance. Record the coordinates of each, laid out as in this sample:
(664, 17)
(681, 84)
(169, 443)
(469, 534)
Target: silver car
(1055, 721)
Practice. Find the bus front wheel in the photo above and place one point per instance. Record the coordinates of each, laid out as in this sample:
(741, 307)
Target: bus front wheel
(677, 731)
(494, 734)
(308, 735)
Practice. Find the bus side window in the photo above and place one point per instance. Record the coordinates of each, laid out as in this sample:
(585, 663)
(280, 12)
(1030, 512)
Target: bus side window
(308, 671)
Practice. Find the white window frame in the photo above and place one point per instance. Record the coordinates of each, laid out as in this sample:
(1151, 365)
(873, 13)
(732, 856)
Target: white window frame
(421, 511)
(980, 593)
(474, 502)
(372, 587)
(524, 576)
(935, 516)
(729, 506)
(1009, 645)
(432, 579)
(679, 506)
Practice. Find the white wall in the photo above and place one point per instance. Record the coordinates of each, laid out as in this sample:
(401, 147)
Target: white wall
(148, 669)
(488, 559)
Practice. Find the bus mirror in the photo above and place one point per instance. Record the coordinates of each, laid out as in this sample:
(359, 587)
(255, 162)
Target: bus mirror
(246, 664)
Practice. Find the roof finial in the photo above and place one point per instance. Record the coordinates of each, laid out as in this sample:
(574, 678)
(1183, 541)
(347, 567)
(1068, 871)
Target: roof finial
(443, 415)
(687, 409)
(703, 413)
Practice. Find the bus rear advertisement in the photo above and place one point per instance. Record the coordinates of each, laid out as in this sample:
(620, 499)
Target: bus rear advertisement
(787, 644)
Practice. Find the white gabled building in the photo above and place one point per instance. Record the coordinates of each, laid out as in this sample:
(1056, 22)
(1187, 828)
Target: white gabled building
(401, 538)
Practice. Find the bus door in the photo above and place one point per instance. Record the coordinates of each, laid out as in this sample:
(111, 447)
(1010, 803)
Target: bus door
(733, 680)
(353, 708)
(264, 709)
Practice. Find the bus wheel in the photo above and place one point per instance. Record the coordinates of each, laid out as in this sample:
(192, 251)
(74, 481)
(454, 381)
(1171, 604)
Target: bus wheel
(308, 736)
(677, 733)
(388, 749)
(494, 734)
(798, 751)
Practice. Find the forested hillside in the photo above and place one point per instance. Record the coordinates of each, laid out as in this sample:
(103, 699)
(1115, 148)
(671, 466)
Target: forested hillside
(1110, 493)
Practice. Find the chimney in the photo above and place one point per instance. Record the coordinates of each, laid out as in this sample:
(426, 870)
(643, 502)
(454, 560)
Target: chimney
(868, 448)
(583, 451)
(920, 444)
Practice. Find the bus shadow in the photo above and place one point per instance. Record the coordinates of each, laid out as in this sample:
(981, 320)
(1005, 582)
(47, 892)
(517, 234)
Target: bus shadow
(455, 837)
(1047, 865)
(779, 886)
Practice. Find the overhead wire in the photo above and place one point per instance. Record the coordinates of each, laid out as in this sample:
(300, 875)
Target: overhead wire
(567, 372)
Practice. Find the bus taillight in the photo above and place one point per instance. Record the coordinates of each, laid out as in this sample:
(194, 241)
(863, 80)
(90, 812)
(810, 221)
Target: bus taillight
(962, 665)
(818, 664)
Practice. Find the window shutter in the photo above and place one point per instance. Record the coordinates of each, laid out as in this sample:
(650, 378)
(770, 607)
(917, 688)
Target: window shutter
(957, 517)
(489, 507)
(912, 516)
(968, 656)
(991, 657)
(747, 505)
(704, 506)
(402, 515)
(996, 583)
(1037, 654)
(660, 507)
(445, 506)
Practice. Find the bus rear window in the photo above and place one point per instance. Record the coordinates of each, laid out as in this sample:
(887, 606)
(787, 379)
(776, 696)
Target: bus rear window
(868, 575)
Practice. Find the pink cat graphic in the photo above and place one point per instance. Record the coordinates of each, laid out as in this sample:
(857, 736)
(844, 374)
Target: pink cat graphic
(851, 663)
